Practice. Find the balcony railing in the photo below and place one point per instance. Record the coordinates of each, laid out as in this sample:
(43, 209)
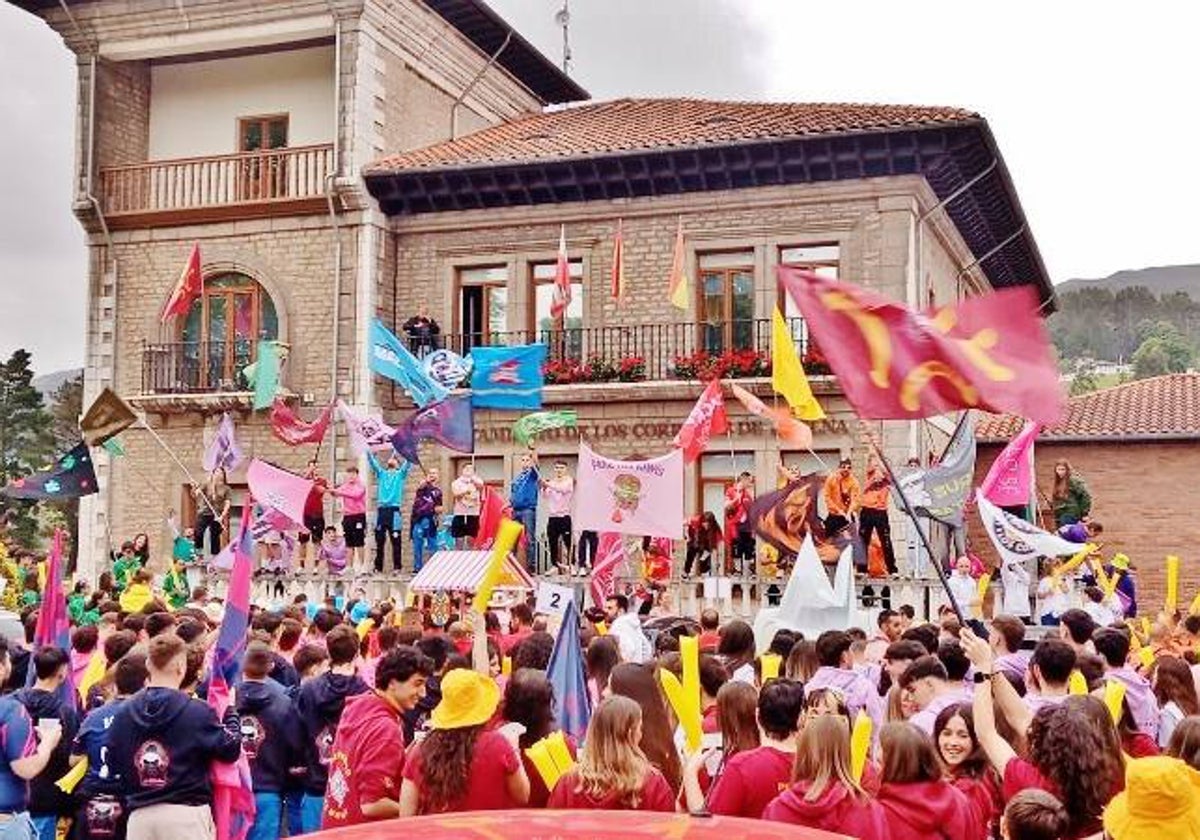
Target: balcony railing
(195, 367)
(269, 180)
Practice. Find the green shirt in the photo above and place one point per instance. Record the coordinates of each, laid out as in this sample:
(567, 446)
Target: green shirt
(124, 570)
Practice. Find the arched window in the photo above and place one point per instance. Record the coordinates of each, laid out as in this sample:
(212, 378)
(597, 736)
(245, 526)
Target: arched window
(223, 327)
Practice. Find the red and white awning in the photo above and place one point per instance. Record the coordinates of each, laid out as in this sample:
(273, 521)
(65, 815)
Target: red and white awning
(461, 571)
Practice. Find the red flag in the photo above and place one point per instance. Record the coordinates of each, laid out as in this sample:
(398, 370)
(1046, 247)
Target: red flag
(562, 278)
(787, 427)
(189, 287)
(293, 431)
(988, 352)
(618, 265)
(610, 556)
(706, 419)
(491, 511)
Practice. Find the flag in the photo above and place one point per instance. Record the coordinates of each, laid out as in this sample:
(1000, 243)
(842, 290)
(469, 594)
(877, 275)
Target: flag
(293, 431)
(189, 287)
(572, 704)
(810, 602)
(491, 513)
(941, 491)
(508, 377)
(389, 358)
(631, 497)
(1017, 540)
(366, 433)
(231, 637)
(265, 373)
(988, 352)
(233, 803)
(787, 427)
(677, 282)
(562, 278)
(70, 477)
(706, 419)
(618, 265)
(107, 416)
(450, 422)
(275, 488)
(531, 425)
(53, 627)
(786, 517)
(1009, 482)
(114, 447)
(787, 373)
(223, 451)
(610, 557)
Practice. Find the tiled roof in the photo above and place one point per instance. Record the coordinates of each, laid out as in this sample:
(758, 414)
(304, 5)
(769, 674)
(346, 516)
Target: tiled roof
(627, 125)
(1164, 406)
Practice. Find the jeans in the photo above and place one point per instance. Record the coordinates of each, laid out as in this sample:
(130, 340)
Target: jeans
(310, 812)
(387, 523)
(46, 825)
(293, 800)
(20, 827)
(268, 809)
(424, 540)
(527, 519)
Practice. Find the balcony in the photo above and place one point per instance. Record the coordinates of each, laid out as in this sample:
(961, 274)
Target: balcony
(272, 182)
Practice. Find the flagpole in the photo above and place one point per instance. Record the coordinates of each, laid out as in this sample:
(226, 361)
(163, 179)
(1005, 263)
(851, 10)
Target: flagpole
(912, 514)
(191, 479)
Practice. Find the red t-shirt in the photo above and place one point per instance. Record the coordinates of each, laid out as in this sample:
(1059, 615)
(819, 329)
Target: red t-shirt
(1020, 775)
(656, 795)
(1140, 745)
(366, 760)
(749, 781)
(708, 641)
(510, 640)
(493, 761)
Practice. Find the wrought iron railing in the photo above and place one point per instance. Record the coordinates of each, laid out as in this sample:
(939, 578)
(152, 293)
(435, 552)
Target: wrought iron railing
(195, 367)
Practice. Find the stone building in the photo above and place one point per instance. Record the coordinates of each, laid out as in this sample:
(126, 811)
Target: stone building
(345, 159)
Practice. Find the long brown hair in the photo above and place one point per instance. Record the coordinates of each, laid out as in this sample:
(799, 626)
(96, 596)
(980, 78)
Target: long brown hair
(976, 764)
(640, 684)
(737, 708)
(823, 758)
(1173, 681)
(446, 766)
(802, 661)
(1185, 742)
(1075, 746)
(908, 755)
(611, 763)
(1062, 484)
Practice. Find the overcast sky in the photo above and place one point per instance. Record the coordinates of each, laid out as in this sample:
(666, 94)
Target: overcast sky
(1093, 105)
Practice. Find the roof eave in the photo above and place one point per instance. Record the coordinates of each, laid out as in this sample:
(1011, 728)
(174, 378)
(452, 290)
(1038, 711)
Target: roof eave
(1142, 437)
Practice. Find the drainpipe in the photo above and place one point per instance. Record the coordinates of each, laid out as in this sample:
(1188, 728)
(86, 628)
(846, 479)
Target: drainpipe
(330, 193)
(471, 84)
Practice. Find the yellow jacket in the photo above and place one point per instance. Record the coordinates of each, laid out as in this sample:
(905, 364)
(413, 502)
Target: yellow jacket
(136, 596)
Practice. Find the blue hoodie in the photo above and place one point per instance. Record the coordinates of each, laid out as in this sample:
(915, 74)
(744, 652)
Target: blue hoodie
(271, 740)
(319, 706)
(523, 494)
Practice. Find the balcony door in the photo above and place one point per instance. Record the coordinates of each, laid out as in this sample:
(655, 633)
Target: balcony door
(726, 301)
(221, 332)
(262, 176)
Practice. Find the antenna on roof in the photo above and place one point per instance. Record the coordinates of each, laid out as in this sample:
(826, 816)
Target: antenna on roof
(563, 18)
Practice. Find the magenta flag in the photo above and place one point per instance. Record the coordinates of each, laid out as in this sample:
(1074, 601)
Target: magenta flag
(278, 489)
(630, 497)
(1009, 482)
(610, 556)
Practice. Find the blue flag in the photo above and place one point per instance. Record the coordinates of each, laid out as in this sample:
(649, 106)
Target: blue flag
(508, 377)
(450, 422)
(572, 704)
(231, 637)
(388, 357)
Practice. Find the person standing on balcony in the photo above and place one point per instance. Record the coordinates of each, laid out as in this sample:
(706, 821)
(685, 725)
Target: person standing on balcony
(843, 497)
(559, 491)
(389, 490)
(873, 516)
(523, 497)
(426, 508)
(212, 511)
(353, 494)
(739, 535)
(422, 332)
(314, 520)
(467, 492)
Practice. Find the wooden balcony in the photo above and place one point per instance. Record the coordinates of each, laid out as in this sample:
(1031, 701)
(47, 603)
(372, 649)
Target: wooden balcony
(162, 193)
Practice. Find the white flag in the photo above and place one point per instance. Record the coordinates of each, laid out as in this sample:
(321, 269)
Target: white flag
(366, 433)
(1017, 540)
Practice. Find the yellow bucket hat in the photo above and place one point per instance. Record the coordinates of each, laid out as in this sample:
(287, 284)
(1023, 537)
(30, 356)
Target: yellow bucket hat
(468, 699)
(1120, 561)
(1160, 800)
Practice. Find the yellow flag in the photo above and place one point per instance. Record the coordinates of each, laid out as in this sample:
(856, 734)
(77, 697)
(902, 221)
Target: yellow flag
(1114, 696)
(860, 745)
(92, 674)
(1172, 584)
(677, 283)
(787, 374)
(1078, 683)
(68, 783)
(770, 665)
(506, 538)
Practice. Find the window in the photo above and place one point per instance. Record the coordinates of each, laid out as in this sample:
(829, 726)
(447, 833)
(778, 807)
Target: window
(716, 473)
(564, 334)
(821, 260)
(822, 461)
(726, 301)
(490, 469)
(221, 332)
(238, 493)
(262, 176)
(483, 306)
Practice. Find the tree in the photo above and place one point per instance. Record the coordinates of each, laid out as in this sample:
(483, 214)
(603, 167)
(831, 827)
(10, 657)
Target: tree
(1164, 349)
(26, 440)
(66, 407)
(1084, 382)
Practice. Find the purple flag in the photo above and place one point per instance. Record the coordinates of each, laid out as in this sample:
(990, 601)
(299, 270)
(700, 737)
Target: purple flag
(53, 621)
(231, 638)
(451, 422)
(572, 704)
(223, 450)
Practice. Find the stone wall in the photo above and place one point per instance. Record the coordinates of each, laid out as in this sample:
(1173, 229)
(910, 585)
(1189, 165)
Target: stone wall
(122, 112)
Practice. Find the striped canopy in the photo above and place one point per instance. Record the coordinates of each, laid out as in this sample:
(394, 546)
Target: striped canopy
(461, 571)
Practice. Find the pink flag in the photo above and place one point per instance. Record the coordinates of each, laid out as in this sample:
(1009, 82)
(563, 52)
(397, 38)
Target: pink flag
(1008, 483)
(223, 450)
(278, 489)
(610, 556)
(706, 419)
(562, 278)
(232, 786)
(630, 497)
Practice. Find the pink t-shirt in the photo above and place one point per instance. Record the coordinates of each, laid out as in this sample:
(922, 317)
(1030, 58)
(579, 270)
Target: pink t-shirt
(558, 495)
(354, 497)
